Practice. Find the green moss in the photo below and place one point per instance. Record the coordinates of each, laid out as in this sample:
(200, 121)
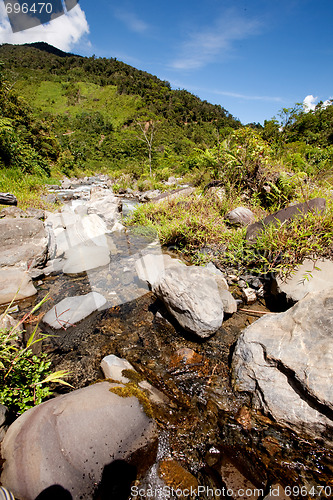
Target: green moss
(132, 375)
(131, 389)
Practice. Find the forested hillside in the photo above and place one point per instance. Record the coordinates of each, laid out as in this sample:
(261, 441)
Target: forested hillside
(64, 114)
(100, 109)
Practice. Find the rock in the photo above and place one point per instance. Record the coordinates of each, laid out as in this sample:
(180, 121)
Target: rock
(15, 284)
(105, 204)
(217, 192)
(3, 421)
(289, 213)
(7, 199)
(228, 301)
(249, 295)
(54, 266)
(71, 310)
(112, 367)
(192, 297)
(286, 361)
(83, 258)
(7, 323)
(151, 266)
(173, 195)
(150, 195)
(69, 440)
(240, 216)
(13, 212)
(218, 276)
(24, 243)
(311, 276)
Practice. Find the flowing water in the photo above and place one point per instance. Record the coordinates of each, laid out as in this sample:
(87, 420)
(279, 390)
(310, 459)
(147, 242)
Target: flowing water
(208, 436)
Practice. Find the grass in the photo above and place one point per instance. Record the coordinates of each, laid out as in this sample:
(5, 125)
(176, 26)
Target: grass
(195, 223)
(51, 97)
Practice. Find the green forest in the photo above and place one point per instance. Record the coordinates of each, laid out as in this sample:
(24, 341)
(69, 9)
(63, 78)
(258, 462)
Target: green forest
(63, 114)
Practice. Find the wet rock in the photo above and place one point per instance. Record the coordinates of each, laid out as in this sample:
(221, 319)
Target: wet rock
(237, 485)
(192, 297)
(15, 284)
(112, 367)
(120, 370)
(249, 295)
(286, 361)
(84, 258)
(240, 216)
(71, 310)
(69, 440)
(175, 476)
(24, 243)
(289, 213)
(311, 276)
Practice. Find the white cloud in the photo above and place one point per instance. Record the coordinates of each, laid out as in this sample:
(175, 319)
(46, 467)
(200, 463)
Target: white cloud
(309, 103)
(205, 45)
(132, 21)
(63, 32)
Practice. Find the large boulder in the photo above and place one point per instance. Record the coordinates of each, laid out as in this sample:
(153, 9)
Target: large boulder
(15, 284)
(286, 361)
(191, 295)
(310, 276)
(69, 440)
(315, 205)
(71, 310)
(23, 243)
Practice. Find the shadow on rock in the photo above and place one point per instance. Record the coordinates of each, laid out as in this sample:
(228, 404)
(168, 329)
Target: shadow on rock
(116, 482)
(55, 492)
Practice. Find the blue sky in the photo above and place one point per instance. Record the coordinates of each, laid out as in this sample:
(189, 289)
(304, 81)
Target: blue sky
(253, 57)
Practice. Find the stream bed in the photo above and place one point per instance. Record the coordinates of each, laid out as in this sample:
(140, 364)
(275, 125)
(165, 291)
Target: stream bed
(210, 436)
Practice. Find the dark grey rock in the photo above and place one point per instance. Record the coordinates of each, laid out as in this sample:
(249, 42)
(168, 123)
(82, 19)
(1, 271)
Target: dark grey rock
(7, 199)
(315, 205)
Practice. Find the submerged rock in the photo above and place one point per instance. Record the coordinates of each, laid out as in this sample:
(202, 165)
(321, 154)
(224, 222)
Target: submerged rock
(311, 276)
(73, 309)
(84, 258)
(191, 295)
(286, 361)
(73, 440)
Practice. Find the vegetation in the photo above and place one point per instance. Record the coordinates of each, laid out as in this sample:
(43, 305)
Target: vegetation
(25, 377)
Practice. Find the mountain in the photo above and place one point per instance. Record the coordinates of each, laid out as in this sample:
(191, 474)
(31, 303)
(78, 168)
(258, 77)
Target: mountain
(100, 108)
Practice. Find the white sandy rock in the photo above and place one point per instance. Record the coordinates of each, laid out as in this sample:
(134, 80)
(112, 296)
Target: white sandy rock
(71, 310)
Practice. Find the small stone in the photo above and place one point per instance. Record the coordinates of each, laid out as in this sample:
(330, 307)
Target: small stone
(249, 295)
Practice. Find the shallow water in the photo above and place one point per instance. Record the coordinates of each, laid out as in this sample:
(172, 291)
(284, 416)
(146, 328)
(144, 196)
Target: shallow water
(205, 428)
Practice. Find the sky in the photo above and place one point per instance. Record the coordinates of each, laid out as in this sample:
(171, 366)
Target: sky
(253, 57)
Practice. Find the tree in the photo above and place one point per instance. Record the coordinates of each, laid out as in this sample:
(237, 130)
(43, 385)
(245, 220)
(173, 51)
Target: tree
(148, 130)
